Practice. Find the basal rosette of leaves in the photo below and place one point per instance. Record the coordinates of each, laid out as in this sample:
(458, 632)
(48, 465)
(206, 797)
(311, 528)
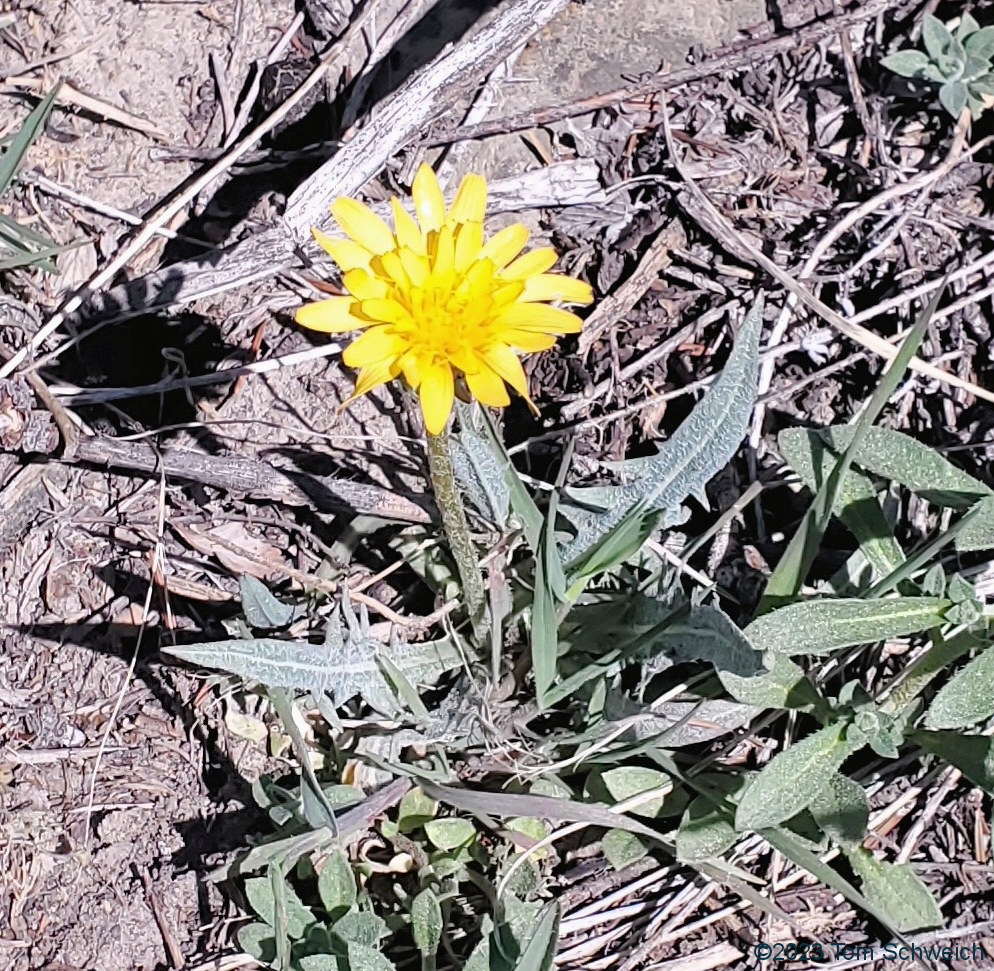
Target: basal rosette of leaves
(958, 56)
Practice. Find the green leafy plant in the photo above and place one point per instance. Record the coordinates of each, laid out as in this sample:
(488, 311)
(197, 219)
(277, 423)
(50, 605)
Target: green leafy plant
(21, 245)
(958, 56)
(553, 715)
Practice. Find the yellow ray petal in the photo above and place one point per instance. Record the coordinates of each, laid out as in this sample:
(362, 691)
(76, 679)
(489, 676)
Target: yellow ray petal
(554, 286)
(504, 361)
(364, 285)
(393, 267)
(469, 242)
(538, 317)
(348, 254)
(443, 270)
(363, 225)
(528, 341)
(428, 199)
(371, 377)
(531, 264)
(436, 392)
(415, 266)
(331, 316)
(413, 367)
(507, 293)
(406, 229)
(488, 388)
(389, 311)
(376, 345)
(478, 281)
(470, 202)
(505, 246)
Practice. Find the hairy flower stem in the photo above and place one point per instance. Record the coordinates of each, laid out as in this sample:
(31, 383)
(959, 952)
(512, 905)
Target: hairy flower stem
(450, 505)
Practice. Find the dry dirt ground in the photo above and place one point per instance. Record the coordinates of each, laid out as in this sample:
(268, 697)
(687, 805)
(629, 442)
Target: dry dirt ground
(121, 778)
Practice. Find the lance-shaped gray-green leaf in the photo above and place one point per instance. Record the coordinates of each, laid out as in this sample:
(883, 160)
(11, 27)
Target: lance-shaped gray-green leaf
(967, 698)
(707, 828)
(480, 471)
(337, 885)
(917, 467)
(262, 610)
(841, 811)
(426, 922)
(820, 626)
(978, 532)
(345, 666)
(794, 779)
(657, 486)
(659, 634)
(856, 504)
(897, 891)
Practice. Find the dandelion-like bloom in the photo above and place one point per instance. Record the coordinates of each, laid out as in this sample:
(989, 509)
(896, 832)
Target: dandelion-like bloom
(438, 304)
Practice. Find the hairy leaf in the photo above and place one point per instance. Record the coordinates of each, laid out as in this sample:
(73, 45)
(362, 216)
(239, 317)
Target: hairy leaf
(481, 472)
(907, 63)
(978, 533)
(897, 891)
(262, 610)
(345, 666)
(259, 893)
(674, 723)
(797, 853)
(426, 922)
(657, 486)
(842, 812)
(894, 455)
(622, 849)
(973, 755)
(856, 504)
(820, 626)
(659, 633)
(362, 957)
(952, 97)
(336, 884)
(794, 779)
(980, 43)
(707, 828)
(937, 37)
(967, 698)
(784, 685)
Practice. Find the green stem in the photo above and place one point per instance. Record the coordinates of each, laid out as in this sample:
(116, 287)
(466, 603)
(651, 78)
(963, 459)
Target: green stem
(450, 505)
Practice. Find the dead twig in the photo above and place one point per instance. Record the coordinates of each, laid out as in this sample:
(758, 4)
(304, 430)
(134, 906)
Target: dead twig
(73, 96)
(168, 210)
(615, 306)
(251, 478)
(736, 57)
(713, 222)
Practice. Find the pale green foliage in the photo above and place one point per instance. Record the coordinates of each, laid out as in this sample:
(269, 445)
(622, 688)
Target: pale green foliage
(347, 665)
(600, 661)
(820, 626)
(612, 522)
(958, 56)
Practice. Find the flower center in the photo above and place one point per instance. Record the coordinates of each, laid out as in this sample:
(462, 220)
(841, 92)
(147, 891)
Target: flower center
(448, 322)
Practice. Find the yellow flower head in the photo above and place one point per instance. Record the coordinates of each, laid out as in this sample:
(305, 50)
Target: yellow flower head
(436, 303)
